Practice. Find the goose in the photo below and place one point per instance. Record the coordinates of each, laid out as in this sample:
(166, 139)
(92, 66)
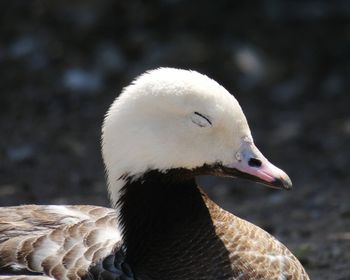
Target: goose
(167, 127)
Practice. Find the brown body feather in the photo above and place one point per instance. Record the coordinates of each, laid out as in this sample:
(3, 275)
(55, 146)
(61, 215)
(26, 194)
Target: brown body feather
(58, 241)
(64, 242)
(176, 232)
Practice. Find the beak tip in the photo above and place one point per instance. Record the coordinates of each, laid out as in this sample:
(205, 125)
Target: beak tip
(284, 182)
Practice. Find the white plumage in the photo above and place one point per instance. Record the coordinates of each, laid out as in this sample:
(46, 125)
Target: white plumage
(152, 121)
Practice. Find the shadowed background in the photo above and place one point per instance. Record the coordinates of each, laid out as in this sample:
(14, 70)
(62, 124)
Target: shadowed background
(287, 62)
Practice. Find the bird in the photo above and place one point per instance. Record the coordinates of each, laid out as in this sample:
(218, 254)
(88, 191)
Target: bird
(163, 130)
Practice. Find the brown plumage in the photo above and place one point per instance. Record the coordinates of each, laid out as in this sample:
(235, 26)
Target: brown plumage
(180, 233)
(208, 243)
(58, 241)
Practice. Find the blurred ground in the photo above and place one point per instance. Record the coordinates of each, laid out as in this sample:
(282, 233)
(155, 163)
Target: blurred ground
(287, 62)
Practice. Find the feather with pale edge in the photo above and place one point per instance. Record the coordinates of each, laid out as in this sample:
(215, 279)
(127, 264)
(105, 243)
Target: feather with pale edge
(63, 242)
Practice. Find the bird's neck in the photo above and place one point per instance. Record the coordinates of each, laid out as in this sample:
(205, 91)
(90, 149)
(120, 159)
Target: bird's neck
(166, 224)
(153, 206)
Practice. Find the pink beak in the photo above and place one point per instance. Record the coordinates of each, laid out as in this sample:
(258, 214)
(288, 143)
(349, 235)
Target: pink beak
(251, 164)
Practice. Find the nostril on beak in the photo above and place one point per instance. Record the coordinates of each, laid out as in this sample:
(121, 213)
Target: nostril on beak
(254, 162)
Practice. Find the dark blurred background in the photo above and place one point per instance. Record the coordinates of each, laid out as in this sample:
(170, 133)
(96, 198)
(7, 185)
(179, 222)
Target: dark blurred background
(287, 62)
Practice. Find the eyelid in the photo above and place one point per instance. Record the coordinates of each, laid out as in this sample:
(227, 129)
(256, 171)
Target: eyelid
(204, 117)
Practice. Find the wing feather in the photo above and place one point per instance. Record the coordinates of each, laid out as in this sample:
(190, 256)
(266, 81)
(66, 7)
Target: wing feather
(60, 241)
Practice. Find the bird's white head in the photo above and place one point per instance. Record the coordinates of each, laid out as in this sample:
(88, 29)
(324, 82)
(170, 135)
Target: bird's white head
(171, 118)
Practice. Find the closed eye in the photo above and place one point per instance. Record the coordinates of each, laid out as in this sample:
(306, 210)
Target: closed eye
(201, 120)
